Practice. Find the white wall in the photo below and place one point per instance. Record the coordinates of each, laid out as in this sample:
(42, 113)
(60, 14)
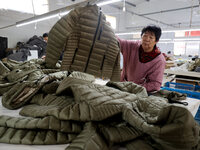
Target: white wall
(14, 34)
(124, 23)
(23, 33)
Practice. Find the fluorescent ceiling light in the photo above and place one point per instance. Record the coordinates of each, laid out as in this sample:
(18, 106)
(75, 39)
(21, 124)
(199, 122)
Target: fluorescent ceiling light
(159, 39)
(40, 6)
(23, 23)
(128, 33)
(178, 40)
(64, 13)
(165, 39)
(197, 29)
(164, 31)
(56, 13)
(35, 19)
(187, 39)
(107, 2)
(59, 12)
(166, 42)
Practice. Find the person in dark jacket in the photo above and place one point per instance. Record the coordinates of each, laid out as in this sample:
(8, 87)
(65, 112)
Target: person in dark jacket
(41, 43)
(45, 37)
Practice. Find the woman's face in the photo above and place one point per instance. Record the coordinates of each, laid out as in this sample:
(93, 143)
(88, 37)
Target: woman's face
(148, 41)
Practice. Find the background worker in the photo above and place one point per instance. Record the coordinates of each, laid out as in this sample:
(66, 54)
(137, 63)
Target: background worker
(45, 39)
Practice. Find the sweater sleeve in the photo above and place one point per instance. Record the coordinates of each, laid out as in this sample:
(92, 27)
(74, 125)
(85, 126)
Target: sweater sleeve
(126, 48)
(155, 77)
(126, 45)
(58, 35)
(125, 52)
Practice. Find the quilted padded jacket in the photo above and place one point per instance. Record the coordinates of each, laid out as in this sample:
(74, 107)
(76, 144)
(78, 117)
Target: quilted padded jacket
(87, 42)
(61, 108)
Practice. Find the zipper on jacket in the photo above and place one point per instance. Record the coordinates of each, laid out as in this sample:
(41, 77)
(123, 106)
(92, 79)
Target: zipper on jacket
(102, 62)
(74, 55)
(99, 19)
(100, 33)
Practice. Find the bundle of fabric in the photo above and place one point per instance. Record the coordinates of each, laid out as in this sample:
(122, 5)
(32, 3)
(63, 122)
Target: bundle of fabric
(19, 55)
(22, 50)
(86, 42)
(37, 43)
(194, 65)
(61, 107)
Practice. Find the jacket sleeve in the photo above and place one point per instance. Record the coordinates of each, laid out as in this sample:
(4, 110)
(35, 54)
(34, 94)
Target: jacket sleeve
(126, 45)
(58, 35)
(155, 77)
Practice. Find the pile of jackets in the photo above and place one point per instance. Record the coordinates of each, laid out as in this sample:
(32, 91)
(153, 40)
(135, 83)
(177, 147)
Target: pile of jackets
(61, 103)
(22, 50)
(59, 107)
(38, 43)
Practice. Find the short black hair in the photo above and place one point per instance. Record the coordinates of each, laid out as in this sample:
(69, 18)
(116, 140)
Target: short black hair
(169, 52)
(45, 35)
(153, 28)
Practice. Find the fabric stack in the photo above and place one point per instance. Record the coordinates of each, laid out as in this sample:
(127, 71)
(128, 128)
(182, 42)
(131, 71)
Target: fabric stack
(60, 102)
(61, 107)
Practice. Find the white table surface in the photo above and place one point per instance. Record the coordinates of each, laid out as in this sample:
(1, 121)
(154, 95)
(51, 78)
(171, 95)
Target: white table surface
(183, 73)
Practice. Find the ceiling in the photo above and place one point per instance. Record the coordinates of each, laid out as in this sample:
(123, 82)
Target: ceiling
(169, 14)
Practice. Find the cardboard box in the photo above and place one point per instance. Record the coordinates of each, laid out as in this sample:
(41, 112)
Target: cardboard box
(186, 81)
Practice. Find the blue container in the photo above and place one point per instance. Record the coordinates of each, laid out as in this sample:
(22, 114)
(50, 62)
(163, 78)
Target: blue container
(182, 86)
(190, 90)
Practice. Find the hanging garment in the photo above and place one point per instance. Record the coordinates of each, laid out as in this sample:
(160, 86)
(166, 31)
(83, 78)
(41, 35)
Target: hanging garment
(87, 42)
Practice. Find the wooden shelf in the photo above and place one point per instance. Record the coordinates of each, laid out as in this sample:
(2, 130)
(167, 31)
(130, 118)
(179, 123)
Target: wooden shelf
(187, 77)
(183, 73)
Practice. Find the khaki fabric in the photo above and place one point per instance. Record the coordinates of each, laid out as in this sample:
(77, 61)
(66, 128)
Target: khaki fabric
(86, 42)
(3, 68)
(83, 76)
(194, 65)
(170, 94)
(139, 144)
(88, 139)
(91, 116)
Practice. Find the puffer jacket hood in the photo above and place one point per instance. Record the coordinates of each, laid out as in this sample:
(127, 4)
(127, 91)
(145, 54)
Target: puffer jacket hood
(87, 43)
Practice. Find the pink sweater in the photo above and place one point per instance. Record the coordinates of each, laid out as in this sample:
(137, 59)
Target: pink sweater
(149, 75)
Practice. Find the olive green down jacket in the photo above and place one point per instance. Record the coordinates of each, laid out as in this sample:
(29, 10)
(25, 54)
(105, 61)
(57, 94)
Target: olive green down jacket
(88, 44)
(58, 107)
